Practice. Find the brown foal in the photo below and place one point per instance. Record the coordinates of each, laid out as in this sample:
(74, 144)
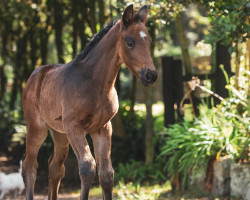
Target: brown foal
(77, 98)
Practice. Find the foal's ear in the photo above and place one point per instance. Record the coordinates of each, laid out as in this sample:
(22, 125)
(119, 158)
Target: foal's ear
(127, 16)
(142, 15)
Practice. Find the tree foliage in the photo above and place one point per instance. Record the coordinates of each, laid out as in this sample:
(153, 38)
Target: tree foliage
(229, 20)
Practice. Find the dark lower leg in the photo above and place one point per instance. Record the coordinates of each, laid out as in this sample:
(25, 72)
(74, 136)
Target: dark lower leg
(106, 178)
(86, 162)
(102, 146)
(87, 171)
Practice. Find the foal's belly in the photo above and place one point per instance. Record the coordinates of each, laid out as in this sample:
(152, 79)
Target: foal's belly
(91, 124)
(89, 121)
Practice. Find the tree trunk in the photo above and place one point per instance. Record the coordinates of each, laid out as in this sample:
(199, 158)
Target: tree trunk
(18, 68)
(92, 10)
(3, 77)
(58, 26)
(74, 13)
(132, 98)
(184, 45)
(101, 12)
(148, 95)
(82, 19)
(44, 36)
(33, 53)
(3, 80)
(6, 25)
(149, 151)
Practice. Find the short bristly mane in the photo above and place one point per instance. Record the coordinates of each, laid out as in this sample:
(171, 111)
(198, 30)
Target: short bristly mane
(94, 40)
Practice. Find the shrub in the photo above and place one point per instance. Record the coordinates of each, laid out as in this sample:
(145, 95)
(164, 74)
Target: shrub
(131, 147)
(9, 125)
(138, 172)
(220, 131)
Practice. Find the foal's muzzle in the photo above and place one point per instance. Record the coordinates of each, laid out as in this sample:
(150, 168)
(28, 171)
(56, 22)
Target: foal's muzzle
(148, 76)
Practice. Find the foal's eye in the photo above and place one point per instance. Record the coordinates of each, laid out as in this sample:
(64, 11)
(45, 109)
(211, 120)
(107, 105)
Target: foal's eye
(130, 42)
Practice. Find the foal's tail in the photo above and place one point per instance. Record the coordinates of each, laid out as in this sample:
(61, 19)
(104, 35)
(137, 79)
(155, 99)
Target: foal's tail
(20, 168)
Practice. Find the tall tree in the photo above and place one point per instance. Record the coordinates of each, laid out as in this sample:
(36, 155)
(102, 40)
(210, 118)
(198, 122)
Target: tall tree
(92, 18)
(183, 43)
(45, 31)
(6, 29)
(58, 26)
(74, 13)
(101, 12)
(19, 63)
(148, 96)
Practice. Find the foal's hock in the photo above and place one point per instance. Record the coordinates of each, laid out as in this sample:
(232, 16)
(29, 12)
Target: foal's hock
(71, 100)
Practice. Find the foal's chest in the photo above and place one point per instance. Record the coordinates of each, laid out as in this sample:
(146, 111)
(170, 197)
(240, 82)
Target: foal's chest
(101, 113)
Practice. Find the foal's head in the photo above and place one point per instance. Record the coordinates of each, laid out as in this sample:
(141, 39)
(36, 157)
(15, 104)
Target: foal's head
(134, 45)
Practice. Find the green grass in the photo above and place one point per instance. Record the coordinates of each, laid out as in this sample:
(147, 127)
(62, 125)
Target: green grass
(95, 192)
(132, 192)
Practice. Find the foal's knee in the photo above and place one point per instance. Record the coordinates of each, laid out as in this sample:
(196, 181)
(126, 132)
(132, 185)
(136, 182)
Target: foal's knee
(87, 169)
(29, 168)
(106, 178)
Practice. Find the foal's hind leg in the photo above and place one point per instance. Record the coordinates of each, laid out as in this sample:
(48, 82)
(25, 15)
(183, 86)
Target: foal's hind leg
(102, 147)
(86, 162)
(36, 134)
(56, 162)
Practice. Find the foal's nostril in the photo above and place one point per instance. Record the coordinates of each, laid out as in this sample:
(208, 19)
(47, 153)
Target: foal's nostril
(148, 76)
(154, 76)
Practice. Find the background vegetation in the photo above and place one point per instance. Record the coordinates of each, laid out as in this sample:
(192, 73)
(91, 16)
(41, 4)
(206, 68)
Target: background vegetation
(38, 32)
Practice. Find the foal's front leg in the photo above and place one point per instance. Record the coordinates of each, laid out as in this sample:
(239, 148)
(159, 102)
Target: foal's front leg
(102, 147)
(86, 162)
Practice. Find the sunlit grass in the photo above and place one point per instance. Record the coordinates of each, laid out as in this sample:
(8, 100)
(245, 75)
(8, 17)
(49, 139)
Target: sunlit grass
(95, 192)
(131, 191)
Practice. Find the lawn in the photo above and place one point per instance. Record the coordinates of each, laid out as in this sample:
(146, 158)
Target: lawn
(130, 191)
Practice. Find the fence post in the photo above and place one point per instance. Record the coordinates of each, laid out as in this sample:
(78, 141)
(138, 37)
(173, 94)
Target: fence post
(172, 88)
(222, 57)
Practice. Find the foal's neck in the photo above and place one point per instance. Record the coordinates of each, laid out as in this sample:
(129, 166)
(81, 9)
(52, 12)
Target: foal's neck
(104, 60)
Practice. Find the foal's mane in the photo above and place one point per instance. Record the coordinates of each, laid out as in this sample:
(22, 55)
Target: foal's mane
(94, 40)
